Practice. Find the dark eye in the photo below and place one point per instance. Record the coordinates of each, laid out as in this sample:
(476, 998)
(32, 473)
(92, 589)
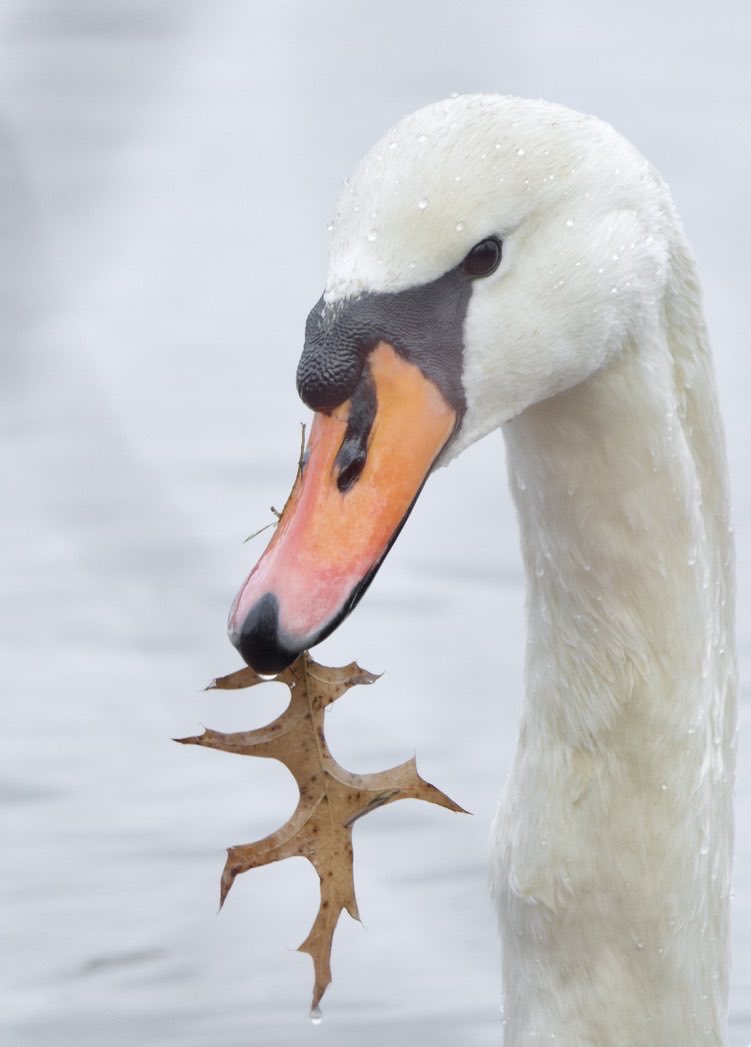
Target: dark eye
(484, 258)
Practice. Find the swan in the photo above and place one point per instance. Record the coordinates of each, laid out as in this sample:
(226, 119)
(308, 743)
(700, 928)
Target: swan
(497, 262)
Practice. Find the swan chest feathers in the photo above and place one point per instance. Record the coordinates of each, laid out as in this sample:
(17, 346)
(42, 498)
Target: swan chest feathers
(502, 263)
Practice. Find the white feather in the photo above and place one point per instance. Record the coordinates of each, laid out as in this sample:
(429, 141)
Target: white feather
(613, 842)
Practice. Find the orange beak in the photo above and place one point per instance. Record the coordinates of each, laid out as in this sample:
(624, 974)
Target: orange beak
(342, 515)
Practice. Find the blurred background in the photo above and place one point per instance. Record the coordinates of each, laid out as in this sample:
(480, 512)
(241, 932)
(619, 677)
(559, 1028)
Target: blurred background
(168, 172)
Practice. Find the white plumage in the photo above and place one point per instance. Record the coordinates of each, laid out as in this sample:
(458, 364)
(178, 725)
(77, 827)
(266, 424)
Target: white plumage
(612, 844)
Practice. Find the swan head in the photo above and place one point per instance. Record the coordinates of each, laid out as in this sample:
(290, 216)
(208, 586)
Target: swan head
(487, 253)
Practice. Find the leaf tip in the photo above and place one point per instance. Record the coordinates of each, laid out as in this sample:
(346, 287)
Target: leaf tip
(237, 680)
(320, 986)
(193, 740)
(229, 872)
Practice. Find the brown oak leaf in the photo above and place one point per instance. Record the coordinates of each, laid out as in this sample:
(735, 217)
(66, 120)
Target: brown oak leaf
(331, 798)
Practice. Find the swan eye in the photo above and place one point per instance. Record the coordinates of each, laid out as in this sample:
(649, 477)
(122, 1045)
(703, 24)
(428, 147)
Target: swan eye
(484, 258)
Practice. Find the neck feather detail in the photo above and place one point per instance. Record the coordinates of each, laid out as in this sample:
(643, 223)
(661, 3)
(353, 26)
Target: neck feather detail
(614, 837)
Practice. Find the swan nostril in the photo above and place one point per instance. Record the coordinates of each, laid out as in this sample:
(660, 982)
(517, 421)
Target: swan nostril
(350, 473)
(259, 641)
(353, 453)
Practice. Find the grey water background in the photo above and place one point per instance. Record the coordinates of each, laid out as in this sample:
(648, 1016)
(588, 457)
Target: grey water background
(168, 171)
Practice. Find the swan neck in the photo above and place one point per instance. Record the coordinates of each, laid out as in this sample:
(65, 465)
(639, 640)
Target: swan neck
(626, 544)
(616, 823)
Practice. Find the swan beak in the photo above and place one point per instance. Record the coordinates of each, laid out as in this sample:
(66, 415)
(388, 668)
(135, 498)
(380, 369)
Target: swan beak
(363, 467)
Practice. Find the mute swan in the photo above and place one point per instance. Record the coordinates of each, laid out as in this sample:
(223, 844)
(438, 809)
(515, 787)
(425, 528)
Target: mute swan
(500, 262)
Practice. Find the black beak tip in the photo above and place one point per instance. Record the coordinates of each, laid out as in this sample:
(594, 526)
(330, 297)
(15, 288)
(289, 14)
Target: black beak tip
(260, 642)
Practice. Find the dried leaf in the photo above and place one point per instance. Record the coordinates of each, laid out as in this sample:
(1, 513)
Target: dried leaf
(331, 798)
